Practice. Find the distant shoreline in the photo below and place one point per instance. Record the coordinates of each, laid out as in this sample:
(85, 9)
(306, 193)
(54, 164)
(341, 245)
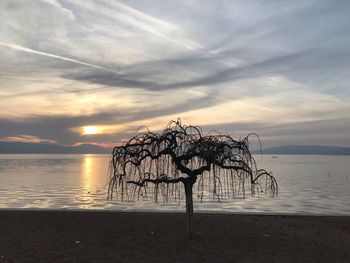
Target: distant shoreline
(307, 150)
(40, 148)
(254, 153)
(47, 148)
(54, 153)
(90, 236)
(176, 212)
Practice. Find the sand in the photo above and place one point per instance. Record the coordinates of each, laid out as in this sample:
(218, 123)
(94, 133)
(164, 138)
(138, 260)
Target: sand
(78, 236)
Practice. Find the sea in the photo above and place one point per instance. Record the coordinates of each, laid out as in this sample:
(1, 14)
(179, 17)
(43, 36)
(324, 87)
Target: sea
(308, 185)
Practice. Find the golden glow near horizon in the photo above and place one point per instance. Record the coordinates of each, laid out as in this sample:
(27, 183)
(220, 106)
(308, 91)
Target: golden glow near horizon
(100, 129)
(90, 130)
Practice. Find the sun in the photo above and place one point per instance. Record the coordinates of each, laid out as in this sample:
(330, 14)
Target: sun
(87, 130)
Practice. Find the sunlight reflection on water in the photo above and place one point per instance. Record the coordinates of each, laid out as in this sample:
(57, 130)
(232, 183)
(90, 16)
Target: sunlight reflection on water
(308, 185)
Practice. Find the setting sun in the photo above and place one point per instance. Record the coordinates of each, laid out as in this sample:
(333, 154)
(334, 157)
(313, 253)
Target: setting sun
(87, 130)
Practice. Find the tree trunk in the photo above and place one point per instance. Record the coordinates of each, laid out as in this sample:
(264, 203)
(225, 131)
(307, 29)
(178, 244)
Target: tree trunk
(189, 207)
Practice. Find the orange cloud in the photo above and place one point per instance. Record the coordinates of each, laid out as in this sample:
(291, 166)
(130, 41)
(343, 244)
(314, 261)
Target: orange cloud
(27, 139)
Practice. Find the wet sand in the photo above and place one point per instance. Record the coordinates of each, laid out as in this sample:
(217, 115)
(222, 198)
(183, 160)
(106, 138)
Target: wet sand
(77, 236)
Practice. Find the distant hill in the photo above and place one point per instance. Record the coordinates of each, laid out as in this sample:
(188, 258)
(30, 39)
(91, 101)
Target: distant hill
(21, 147)
(308, 149)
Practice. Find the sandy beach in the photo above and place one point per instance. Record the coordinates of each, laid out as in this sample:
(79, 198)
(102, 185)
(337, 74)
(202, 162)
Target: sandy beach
(78, 236)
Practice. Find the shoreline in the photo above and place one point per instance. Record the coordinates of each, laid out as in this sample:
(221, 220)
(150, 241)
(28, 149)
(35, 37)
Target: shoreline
(115, 236)
(156, 211)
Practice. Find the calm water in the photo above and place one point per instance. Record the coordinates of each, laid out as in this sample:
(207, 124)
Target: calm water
(308, 185)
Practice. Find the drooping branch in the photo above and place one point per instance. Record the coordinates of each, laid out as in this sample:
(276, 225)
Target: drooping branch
(162, 179)
(223, 166)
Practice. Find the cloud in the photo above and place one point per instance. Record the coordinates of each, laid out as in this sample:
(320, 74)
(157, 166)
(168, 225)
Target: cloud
(322, 132)
(62, 128)
(26, 138)
(259, 66)
(25, 49)
(62, 9)
(137, 19)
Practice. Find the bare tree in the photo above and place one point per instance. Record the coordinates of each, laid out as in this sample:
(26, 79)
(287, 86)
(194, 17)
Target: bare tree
(153, 165)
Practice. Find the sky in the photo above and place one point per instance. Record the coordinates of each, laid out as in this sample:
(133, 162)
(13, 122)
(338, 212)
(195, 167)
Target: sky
(80, 71)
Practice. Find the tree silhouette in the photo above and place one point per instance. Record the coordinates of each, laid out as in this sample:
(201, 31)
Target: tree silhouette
(154, 164)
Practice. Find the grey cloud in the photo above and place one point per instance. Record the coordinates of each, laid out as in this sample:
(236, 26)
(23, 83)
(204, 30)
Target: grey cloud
(227, 74)
(304, 42)
(58, 128)
(323, 132)
(111, 79)
(309, 67)
(154, 75)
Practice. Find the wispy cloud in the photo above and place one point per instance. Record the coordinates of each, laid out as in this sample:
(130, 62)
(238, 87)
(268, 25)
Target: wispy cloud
(29, 50)
(280, 69)
(124, 14)
(27, 139)
(62, 9)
